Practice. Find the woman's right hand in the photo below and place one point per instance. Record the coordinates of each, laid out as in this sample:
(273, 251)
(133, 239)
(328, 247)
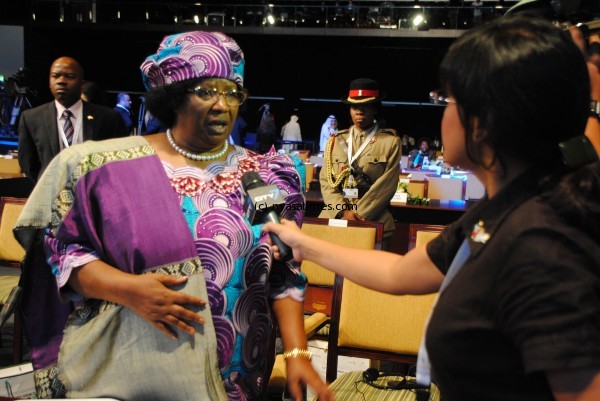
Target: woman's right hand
(166, 309)
(148, 295)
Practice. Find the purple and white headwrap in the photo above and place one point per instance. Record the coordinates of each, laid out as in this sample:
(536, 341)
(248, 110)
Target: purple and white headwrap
(194, 55)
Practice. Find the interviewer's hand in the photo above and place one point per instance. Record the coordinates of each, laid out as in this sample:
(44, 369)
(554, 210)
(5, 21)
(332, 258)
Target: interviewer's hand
(289, 233)
(151, 298)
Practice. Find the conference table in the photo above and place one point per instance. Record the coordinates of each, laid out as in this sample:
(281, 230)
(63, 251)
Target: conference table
(439, 212)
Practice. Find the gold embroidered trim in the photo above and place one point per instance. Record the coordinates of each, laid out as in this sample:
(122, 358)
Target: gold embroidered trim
(329, 166)
(367, 99)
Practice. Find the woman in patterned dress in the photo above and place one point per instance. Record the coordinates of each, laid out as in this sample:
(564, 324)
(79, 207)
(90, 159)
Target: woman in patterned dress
(172, 203)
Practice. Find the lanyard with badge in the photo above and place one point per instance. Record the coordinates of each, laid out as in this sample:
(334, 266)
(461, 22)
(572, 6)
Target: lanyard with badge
(350, 186)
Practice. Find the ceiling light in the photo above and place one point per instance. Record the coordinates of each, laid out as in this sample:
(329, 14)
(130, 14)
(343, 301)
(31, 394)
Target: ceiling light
(418, 20)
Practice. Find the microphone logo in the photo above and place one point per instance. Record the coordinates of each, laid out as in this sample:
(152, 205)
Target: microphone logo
(272, 194)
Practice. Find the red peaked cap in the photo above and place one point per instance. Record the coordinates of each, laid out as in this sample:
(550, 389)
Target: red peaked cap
(364, 91)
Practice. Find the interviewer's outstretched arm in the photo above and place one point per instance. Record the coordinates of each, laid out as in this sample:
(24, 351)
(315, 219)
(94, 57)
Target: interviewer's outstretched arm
(413, 273)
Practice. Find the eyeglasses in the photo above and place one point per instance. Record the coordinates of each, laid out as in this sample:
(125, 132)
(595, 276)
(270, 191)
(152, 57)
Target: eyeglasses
(233, 98)
(439, 97)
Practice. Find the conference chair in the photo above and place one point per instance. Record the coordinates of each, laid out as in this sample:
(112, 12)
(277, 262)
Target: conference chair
(317, 301)
(352, 233)
(419, 234)
(445, 188)
(418, 188)
(373, 325)
(11, 254)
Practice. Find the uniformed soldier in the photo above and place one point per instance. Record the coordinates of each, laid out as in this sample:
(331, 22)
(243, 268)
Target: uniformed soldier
(362, 164)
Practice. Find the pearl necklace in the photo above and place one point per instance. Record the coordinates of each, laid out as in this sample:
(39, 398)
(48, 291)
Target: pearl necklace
(193, 156)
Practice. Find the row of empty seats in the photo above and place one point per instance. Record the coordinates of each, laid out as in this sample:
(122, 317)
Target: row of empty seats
(444, 188)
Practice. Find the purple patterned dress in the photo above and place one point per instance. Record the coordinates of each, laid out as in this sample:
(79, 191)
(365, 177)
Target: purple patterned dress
(238, 265)
(241, 276)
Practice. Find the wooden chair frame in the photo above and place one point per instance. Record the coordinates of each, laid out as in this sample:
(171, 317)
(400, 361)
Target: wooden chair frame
(425, 186)
(413, 229)
(336, 306)
(433, 180)
(317, 320)
(335, 350)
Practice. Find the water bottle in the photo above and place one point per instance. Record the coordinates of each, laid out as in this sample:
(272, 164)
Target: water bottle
(425, 162)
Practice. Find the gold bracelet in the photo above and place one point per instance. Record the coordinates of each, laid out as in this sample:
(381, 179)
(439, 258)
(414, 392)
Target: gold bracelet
(296, 352)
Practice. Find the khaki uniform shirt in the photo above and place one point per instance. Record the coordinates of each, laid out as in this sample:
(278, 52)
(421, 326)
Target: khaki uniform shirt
(380, 160)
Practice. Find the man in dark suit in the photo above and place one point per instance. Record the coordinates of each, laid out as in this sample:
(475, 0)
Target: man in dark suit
(123, 107)
(47, 129)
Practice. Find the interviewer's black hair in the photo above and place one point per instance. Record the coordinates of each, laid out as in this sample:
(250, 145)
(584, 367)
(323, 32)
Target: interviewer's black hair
(525, 82)
(527, 85)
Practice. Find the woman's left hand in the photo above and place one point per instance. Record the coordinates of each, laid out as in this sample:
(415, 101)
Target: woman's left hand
(300, 371)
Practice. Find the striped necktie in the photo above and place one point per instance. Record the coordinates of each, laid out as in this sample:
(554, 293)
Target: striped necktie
(68, 126)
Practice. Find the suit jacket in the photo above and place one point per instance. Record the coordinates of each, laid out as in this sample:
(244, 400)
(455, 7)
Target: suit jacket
(126, 115)
(39, 136)
(380, 161)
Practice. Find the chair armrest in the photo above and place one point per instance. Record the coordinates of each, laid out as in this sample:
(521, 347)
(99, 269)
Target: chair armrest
(314, 322)
(278, 379)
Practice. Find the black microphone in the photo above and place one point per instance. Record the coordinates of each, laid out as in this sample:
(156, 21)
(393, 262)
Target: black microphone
(262, 202)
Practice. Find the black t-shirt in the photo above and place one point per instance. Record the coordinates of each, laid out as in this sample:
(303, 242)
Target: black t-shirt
(527, 301)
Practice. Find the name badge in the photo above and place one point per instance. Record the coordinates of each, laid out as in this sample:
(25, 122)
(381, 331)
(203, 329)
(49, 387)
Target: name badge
(350, 193)
(399, 197)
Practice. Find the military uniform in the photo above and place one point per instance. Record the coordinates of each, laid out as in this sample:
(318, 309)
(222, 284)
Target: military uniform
(379, 162)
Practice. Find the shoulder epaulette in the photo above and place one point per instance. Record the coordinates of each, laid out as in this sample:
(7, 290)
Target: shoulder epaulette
(389, 131)
(344, 131)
